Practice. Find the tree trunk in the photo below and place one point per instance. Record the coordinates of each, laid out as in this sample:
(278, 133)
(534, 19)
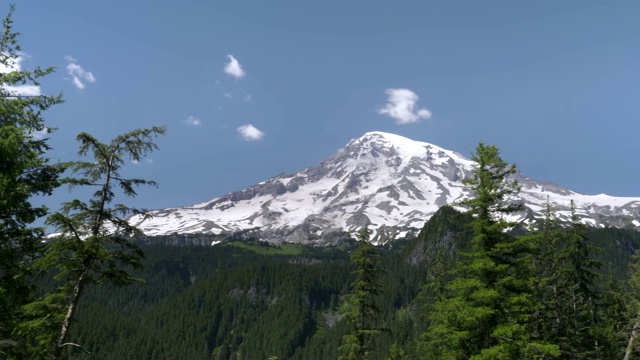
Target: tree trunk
(64, 329)
(632, 338)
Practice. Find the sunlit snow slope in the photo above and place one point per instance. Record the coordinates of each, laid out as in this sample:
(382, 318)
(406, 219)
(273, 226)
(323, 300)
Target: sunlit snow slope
(388, 181)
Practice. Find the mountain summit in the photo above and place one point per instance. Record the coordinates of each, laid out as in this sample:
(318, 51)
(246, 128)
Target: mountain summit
(388, 181)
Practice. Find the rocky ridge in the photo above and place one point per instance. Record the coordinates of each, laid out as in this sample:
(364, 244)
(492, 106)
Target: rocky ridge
(390, 182)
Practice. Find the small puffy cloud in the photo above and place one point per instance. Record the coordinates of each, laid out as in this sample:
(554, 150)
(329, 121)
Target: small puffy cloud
(40, 134)
(79, 76)
(250, 132)
(234, 68)
(14, 64)
(401, 106)
(192, 121)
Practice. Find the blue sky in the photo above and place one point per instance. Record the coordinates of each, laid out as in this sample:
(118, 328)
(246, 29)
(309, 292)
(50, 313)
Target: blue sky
(251, 89)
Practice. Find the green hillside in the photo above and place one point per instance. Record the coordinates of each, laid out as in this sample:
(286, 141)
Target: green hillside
(252, 300)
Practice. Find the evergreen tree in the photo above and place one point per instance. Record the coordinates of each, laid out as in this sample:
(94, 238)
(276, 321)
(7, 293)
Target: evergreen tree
(633, 306)
(94, 243)
(24, 172)
(396, 352)
(577, 312)
(359, 305)
(546, 240)
(485, 313)
(582, 329)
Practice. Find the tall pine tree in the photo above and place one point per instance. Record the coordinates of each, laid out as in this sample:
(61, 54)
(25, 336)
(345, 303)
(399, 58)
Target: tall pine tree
(24, 172)
(585, 331)
(359, 306)
(94, 244)
(485, 311)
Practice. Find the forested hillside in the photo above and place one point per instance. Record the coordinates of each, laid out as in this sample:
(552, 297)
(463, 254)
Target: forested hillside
(252, 301)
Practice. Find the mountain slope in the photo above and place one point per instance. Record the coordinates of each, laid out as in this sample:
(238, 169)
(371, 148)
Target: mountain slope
(393, 183)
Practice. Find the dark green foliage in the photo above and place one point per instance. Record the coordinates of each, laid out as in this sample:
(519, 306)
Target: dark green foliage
(93, 244)
(588, 319)
(632, 332)
(485, 311)
(24, 172)
(225, 301)
(359, 306)
(202, 302)
(532, 295)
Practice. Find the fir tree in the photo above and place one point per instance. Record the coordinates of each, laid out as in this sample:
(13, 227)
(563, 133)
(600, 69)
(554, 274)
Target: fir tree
(545, 239)
(94, 243)
(579, 336)
(485, 312)
(359, 305)
(633, 306)
(24, 172)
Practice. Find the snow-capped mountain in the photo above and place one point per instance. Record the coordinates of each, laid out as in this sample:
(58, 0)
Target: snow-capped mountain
(388, 181)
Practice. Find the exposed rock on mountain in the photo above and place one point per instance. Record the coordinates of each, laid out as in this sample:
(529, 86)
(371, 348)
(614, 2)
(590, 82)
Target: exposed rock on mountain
(388, 181)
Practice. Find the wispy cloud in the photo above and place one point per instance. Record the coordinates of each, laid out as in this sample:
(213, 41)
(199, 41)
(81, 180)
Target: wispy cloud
(250, 132)
(14, 64)
(137, 162)
(401, 106)
(192, 121)
(79, 76)
(234, 68)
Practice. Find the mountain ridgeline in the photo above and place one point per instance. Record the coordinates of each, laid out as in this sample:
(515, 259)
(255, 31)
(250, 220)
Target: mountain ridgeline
(387, 181)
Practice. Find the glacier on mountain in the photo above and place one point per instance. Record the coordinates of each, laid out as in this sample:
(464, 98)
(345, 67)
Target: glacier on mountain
(390, 182)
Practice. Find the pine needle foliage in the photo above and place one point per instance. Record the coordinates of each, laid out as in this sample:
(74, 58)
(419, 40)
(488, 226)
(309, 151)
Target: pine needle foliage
(93, 244)
(25, 171)
(484, 313)
(359, 306)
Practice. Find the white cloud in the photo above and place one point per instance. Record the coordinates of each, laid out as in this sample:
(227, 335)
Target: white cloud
(24, 90)
(13, 64)
(40, 134)
(250, 132)
(228, 96)
(79, 76)
(234, 68)
(192, 121)
(401, 105)
(248, 98)
(137, 162)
